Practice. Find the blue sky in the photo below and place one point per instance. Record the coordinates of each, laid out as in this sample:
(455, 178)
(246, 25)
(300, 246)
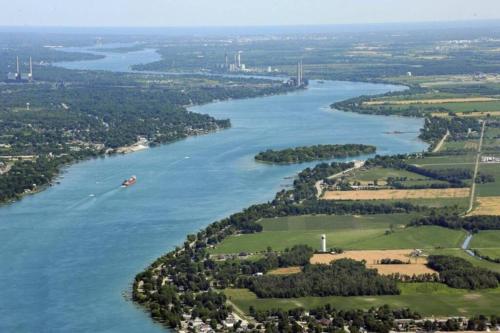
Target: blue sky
(161, 13)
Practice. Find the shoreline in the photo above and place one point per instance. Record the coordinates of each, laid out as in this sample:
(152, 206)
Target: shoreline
(159, 265)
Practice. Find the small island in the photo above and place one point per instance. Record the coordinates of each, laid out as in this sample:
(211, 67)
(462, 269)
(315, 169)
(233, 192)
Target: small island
(313, 153)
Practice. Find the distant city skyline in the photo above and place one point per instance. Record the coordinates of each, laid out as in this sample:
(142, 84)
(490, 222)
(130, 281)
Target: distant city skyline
(188, 13)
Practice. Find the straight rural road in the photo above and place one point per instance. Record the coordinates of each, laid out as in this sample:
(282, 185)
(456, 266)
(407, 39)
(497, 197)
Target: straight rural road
(319, 183)
(476, 169)
(441, 142)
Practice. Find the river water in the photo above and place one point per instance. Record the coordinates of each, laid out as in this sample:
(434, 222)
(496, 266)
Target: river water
(69, 253)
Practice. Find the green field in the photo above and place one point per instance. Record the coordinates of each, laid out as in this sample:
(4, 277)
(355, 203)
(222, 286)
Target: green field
(347, 232)
(492, 253)
(382, 174)
(427, 298)
(486, 239)
(379, 173)
(490, 189)
(487, 106)
(445, 161)
(467, 145)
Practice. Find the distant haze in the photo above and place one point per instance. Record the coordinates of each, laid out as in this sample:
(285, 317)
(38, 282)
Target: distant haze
(165, 13)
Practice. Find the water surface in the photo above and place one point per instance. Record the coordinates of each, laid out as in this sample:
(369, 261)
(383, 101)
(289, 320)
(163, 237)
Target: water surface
(69, 253)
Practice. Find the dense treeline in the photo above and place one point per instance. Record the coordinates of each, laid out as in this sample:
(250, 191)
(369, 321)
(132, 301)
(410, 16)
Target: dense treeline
(236, 272)
(313, 153)
(459, 273)
(435, 128)
(470, 223)
(343, 277)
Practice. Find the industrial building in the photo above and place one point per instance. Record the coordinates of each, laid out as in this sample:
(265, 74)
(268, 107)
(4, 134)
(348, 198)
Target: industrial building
(18, 76)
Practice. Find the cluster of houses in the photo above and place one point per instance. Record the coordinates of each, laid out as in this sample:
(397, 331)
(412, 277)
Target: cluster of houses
(197, 325)
(490, 159)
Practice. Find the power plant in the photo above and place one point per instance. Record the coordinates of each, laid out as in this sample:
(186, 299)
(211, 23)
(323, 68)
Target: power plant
(21, 77)
(237, 65)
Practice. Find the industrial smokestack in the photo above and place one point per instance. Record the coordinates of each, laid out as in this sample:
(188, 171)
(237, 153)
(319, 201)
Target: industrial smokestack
(298, 74)
(323, 243)
(31, 70)
(17, 67)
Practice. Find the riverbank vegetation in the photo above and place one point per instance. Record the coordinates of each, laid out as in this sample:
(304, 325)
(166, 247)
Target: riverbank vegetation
(314, 153)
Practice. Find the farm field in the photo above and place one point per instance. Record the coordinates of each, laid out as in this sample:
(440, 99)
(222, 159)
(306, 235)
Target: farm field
(346, 232)
(396, 194)
(414, 265)
(487, 206)
(429, 299)
(285, 270)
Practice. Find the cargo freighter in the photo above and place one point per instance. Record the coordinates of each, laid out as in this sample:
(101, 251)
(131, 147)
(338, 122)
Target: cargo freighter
(130, 181)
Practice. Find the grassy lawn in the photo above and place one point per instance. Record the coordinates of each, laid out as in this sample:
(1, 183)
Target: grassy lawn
(347, 232)
(426, 298)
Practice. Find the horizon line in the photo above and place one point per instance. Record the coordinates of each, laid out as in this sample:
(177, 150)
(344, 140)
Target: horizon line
(298, 25)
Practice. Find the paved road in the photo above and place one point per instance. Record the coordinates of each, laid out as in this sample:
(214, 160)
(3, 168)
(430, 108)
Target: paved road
(476, 169)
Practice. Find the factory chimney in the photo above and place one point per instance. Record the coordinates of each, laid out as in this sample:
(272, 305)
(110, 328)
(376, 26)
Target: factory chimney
(30, 75)
(300, 79)
(18, 74)
(323, 243)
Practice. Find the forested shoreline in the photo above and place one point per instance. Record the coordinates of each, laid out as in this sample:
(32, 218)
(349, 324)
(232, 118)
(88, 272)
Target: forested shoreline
(97, 115)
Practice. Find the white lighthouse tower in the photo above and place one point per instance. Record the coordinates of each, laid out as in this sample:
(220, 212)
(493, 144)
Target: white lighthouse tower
(323, 243)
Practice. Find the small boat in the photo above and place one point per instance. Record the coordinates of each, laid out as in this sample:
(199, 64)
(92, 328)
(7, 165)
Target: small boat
(130, 181)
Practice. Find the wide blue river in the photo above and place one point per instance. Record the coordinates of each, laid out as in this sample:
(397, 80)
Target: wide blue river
(70, 253)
